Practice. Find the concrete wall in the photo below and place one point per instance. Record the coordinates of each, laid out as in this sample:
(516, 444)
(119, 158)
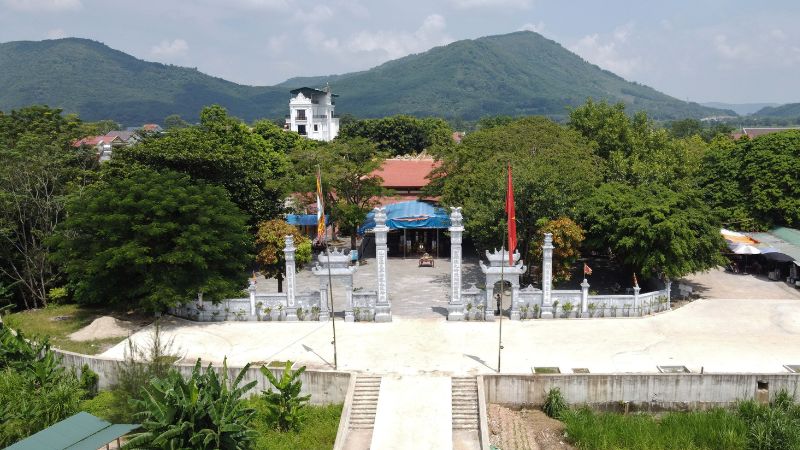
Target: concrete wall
(325, 387)
(649, 392)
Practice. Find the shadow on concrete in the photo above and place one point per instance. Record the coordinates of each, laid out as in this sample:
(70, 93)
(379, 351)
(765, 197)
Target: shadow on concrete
(309, 349)
(439, 310)
(480, 361)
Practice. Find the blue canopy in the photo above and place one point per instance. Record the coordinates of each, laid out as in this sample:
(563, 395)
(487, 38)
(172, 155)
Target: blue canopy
(305, 219)
(413, 214)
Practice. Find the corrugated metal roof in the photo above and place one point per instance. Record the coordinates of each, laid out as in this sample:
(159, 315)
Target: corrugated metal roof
(771, 239)
(79, 432)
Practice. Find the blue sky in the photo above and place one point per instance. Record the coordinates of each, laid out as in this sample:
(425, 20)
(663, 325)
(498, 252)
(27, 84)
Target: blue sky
(702, 50)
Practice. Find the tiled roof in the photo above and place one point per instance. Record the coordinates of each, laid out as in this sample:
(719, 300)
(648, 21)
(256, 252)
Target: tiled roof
(755, 132)
(406, 173)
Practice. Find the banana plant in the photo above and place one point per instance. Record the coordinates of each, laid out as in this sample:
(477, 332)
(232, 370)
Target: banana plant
(286, 407)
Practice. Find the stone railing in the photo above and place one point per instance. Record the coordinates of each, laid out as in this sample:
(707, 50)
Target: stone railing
(364, 305)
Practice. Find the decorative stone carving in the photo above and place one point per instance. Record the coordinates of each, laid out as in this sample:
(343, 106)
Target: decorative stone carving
(337, 262)
(499, 268)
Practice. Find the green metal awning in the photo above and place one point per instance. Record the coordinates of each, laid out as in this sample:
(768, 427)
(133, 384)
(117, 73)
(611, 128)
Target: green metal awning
(82, 431)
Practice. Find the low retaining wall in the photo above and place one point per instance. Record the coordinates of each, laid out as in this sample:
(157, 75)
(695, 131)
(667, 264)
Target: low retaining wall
(649, 392)
(325, 387)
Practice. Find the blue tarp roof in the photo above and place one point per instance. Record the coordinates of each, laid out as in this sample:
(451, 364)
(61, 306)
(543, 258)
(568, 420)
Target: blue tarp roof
(413, 214)
(305, 219)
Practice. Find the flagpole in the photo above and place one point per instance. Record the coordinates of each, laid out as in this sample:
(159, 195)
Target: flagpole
(502, 282)
(330, 277)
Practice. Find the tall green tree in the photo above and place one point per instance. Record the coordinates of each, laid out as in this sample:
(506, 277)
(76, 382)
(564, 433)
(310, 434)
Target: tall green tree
(554, 170)
(349, 181)
(153, 240)
(269, 249)
(400, 134)
(224, 151)
(653, 229)
(771, 172)
(38, 168)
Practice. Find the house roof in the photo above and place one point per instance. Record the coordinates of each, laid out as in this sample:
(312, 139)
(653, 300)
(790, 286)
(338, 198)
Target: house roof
(406, 173)
(91, 141)
(752, 132)
(81, 431)
(308, 92)
(124, 135)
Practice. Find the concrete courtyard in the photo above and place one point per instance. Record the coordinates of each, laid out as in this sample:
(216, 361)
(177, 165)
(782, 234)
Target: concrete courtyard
(742, 324)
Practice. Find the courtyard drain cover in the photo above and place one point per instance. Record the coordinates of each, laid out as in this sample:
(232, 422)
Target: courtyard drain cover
(794, 368)
(546, 370)
(673, 369)
(580, 370)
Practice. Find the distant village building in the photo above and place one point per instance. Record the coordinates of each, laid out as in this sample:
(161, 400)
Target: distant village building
(752, 132)
(104, 145)
(311, 114)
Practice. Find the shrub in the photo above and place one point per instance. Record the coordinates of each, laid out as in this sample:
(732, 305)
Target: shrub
(286, 407)
(58, 295)
(554, 404)
(89, 380)
(204, 412)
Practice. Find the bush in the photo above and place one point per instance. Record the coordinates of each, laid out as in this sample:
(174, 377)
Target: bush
(322, 434)
(774, 426)
(554, 404)
(89, 380)
(58, 295)
(285, 408)
(207, 411)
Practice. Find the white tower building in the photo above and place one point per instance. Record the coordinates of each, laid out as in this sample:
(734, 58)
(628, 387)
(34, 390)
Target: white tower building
(311, 114)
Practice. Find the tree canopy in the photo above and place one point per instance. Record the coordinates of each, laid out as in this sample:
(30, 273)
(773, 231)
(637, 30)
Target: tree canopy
(269, 249)
(400, 134)
(224, 151)
(153, 240)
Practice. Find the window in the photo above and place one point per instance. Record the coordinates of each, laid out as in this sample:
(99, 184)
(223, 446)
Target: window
(301, 114)
(301, 129)
(316, 127)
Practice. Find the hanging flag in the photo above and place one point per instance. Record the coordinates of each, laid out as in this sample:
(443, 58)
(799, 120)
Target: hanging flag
(512, 218)
(320, 210)
(635, 281)
(586, 269)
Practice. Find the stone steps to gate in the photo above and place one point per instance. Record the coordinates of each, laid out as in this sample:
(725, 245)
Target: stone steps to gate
(464, 392)
(365, 402)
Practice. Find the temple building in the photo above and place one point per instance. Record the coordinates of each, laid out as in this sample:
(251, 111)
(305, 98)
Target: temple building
(311, 113)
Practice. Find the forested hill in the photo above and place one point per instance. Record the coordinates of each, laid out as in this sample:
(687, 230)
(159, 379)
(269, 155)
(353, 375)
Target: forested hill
(98, 82)
(788, 111)
(520, 73)
(515, 74)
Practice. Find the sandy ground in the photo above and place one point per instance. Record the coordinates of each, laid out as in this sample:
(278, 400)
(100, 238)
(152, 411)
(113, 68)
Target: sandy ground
(102, 328)
(526, 429)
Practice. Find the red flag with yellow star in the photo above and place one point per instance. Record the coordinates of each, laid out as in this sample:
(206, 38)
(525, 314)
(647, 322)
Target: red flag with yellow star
(512, 218)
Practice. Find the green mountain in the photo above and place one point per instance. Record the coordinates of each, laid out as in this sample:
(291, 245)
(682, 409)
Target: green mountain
(97, 82)
(515, 74)
(787, 111)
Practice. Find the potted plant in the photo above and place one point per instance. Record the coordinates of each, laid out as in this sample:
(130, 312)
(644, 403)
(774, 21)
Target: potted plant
(280, 312)
(259, 305)
(240, 314)
(214, 316)
(227, 311)
(555, 309)
(567, 309)
(268, 313)
(315, 312)
(357, 314)
(536, 311)
(301, 314)
(523, 312)
(481, 309)
(469, 311)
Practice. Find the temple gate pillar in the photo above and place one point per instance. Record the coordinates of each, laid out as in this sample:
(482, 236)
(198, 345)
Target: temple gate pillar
(547, 276)
(288, 252)
(455, 309)
(383, 308)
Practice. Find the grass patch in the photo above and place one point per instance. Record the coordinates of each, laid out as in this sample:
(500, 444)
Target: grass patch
(717, 429)
(318, 431)
(58, 322)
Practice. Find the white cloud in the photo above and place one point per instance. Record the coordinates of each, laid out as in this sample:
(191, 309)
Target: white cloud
(535, 27)
(170, 49)
(43, 5)
(393, 45)
(468, 4)
(56, 33)
(254, 4)
(735, 52)
(605, 52)
(319, 13)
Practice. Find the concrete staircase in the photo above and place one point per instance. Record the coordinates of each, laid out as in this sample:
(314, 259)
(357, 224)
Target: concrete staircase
(365, 402)
(465, 403)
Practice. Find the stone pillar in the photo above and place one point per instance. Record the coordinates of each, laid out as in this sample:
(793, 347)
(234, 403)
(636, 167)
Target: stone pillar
(324, 314)
(383, 308)
(455, 309)
(252, 290)
(547, 276)
(491, 301)
(348, 311)
(288, 251)
(669, 294)
(636, 302)
(585, 298)
(514, 315)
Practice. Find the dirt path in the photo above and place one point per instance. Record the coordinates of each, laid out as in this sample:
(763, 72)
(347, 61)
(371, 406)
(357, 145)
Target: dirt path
(526, 429)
